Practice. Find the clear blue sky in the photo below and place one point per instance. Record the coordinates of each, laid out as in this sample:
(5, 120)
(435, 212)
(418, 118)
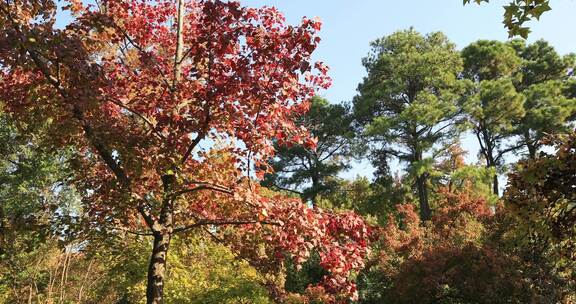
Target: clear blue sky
(349, 27)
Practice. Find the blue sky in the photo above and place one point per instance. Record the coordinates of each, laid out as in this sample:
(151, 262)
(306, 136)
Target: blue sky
(349, 27)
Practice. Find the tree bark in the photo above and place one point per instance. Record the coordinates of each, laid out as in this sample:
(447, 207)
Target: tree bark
(162, 236)
(422, 187)
(487, 147)
(179, 44)
(530, 145)
(315, 188)
(157, 269)
(495, 184)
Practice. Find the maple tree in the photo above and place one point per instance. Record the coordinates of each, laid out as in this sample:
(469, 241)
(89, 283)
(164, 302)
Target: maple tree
(541, 198)
(172, 107)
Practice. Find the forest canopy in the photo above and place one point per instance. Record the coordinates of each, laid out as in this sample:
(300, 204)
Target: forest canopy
(183, 152)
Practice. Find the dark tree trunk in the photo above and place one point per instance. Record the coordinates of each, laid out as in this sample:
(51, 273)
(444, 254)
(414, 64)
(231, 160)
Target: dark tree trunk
(492, 164)
(157, 269)
(422, 187)
(530, 145)
(313, 200)
(487, 147)
(495, 184)
(315, 189)
(531, 151)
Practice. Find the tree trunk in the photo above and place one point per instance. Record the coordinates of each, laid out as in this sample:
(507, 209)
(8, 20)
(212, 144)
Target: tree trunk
(315, 188)
(495, 184)
(530, 145)
(179, 44)
(157, 269)
(157, 266)
(487, 147)
(422, 187)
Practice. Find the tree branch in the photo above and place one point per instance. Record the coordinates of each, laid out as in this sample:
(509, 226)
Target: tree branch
(179, 45)
(146, 120)
(203, 186)
(92, 139)
(223, 223)
(287, 189)
(141, 50)
(509, 149)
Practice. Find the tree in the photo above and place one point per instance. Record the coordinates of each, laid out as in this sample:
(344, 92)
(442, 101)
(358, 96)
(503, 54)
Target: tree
(432, 263)
(454, 174)
(408, 103)
(463, 255)
(169, 107)
(540, 63)
(494, 107)
(518, 12)
(540, 196)
(547, 112)
(315, 169)
(544, 81)
(39, 207)
(374, 200)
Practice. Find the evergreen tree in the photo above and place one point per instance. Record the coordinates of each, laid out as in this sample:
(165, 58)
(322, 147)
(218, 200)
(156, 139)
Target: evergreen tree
(310, 172)
(494, 107)
(544, 79)
(408, 103)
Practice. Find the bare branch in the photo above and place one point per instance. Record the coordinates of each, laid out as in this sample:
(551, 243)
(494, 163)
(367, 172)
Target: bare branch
(239, 222)
(141, 50)
(200, 187)
(287, 189)
(142, 117)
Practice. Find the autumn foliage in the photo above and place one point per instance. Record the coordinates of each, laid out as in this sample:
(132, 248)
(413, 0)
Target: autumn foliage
(173, 110)
(136, 138)
(430, 262)
(541, 198)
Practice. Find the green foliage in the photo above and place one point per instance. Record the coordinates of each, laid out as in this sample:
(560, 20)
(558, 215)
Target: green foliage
(409, 102)
(540, 63)
(204, 272)
(495, 109)
(374, 200)
(547, 111)
(313, 171)
(298, 279)
(411, 78)
(114, 271)
(489, 60)
(453, 173)
(546, 84)
(38, 210)
(494, 106)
